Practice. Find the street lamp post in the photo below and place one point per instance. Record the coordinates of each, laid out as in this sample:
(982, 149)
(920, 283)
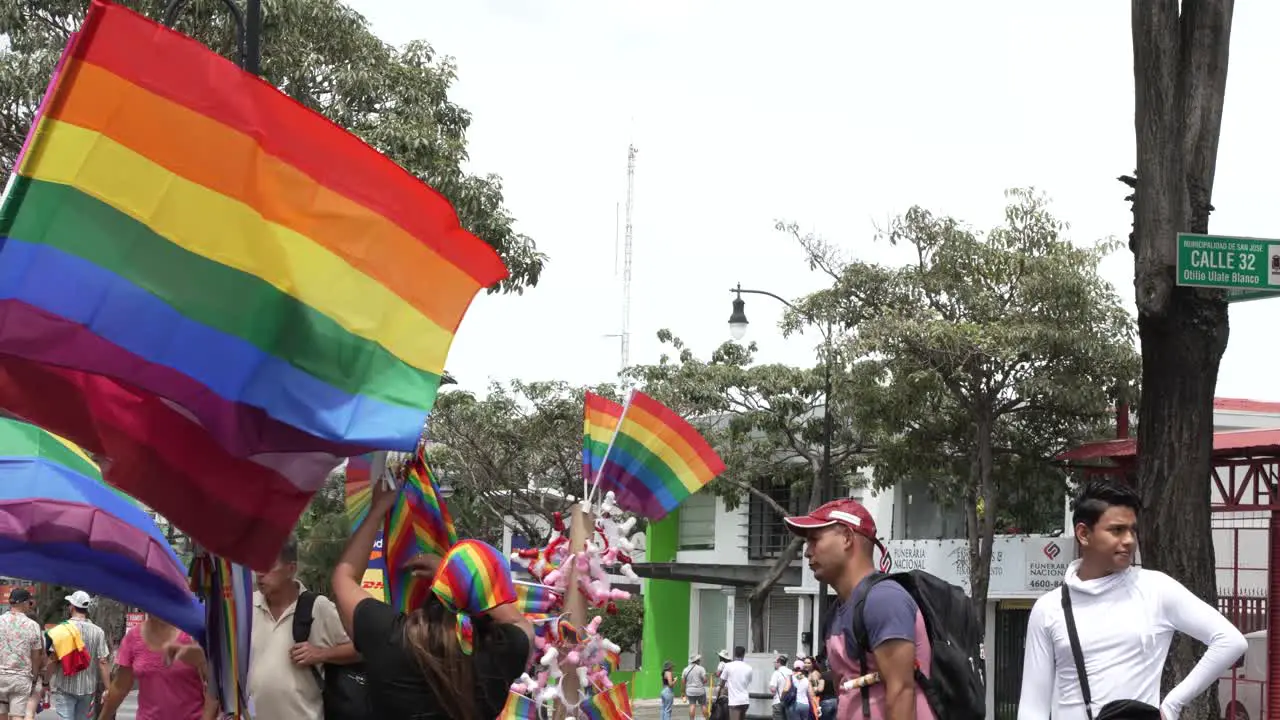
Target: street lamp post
(738, 330)
(248, 29)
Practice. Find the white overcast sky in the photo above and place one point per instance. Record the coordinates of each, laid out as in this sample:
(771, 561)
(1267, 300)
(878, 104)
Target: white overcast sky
(837, 115)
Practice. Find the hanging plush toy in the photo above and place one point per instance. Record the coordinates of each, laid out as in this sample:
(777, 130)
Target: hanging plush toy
(562, 647)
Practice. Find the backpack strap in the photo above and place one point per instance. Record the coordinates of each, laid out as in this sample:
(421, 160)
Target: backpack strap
(303, 619)
(1076, 653)
(861, 637)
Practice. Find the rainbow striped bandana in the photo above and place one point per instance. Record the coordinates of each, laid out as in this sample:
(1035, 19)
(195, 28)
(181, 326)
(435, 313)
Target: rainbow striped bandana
(473, 578)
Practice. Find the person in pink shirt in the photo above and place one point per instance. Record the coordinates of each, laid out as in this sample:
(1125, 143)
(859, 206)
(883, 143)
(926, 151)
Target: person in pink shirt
(170, 673)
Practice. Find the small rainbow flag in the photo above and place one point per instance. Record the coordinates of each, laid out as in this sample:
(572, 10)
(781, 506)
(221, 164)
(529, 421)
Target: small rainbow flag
(227, 589)
(189, 232)
(418, 523)
(656, 459)
(519, 707)
(535, 599)
(612, 660)
(358, 490)
(611, 704)
(601, 416)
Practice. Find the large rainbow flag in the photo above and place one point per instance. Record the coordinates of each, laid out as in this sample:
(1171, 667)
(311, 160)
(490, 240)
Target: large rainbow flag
(184, 245)
(60, 523)
(655, 460)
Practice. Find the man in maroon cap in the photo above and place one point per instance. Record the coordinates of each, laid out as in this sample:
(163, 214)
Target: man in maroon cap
(839, 539)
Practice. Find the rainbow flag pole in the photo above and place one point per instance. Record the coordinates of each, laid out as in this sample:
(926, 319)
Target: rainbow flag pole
(654, 461)
(595, 483)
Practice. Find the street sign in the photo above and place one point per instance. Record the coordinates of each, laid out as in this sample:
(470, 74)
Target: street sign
(1248, 268)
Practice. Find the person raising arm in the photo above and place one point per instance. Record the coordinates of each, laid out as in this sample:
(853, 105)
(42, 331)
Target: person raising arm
(455, 656)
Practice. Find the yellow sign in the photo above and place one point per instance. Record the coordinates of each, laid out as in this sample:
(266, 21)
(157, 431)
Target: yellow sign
(375, 584)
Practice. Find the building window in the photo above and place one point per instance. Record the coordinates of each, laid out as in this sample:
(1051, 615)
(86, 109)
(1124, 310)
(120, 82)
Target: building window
(698, 522)
(923, 518)
(767, 535)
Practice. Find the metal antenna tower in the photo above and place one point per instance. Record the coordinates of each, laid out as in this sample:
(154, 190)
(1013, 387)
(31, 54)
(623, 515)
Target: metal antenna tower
(626, 259)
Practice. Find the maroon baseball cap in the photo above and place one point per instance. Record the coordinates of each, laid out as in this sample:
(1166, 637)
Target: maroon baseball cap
(847, 512)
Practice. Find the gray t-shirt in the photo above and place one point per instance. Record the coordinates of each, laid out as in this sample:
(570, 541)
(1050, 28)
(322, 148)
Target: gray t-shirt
(695, 681)
(889, 614)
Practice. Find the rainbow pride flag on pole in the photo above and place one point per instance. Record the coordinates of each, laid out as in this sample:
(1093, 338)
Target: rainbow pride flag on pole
(519, 707)
(600, 421)
(253, 283)
(655, 459)
(611, 704)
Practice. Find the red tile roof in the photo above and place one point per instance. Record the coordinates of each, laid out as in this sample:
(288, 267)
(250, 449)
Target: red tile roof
(1235, 443)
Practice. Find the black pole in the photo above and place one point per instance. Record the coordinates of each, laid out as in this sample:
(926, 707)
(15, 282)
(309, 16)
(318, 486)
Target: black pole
(248, 31)
(252, 60)
(828, 481)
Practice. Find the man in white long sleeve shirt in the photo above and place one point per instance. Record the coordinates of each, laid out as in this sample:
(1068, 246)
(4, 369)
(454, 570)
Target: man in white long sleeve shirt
(1125, 617)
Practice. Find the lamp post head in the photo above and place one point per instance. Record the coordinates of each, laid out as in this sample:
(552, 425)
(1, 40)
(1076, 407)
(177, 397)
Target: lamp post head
(738, 319)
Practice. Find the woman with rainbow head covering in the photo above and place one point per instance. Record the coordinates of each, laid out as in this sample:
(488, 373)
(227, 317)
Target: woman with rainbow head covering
(453, 658)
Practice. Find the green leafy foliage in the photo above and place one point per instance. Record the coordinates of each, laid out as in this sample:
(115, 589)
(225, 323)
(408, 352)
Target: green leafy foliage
(322, 533)
(323, 54)
(998, 350)
(625, 627)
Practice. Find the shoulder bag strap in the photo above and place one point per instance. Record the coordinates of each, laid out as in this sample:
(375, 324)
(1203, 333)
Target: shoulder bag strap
(1076, 652)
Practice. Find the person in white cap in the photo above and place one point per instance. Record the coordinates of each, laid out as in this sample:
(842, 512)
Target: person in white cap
(717, 681)
(694, 679)
(74, 695)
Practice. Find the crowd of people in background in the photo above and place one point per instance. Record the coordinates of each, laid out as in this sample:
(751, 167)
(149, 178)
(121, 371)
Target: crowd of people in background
(417, 665)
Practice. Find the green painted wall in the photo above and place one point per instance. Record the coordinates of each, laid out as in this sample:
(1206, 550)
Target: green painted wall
(666, 612)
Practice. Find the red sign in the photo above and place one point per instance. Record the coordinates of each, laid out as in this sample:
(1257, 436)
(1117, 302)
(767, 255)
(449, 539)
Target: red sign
(6, 589)
(133, 620)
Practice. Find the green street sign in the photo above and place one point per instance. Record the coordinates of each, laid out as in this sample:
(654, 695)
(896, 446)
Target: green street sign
(1248, 268)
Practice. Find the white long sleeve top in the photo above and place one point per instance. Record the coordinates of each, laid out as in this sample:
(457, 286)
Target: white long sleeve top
(1126, 622)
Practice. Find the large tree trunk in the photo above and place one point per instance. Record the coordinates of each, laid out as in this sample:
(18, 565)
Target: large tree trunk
(760, 593)
(1180, 72)
(981, 527)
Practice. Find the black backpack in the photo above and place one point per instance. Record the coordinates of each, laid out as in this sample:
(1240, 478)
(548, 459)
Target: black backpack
(956, 687)
(343, 688)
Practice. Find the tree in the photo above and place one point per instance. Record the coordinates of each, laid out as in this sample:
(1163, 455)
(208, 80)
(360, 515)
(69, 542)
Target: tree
(766, 421)
(322, 533)
(323, 54)
(514, 453)
(1180, 79)
(626, 626)
(999, 350)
